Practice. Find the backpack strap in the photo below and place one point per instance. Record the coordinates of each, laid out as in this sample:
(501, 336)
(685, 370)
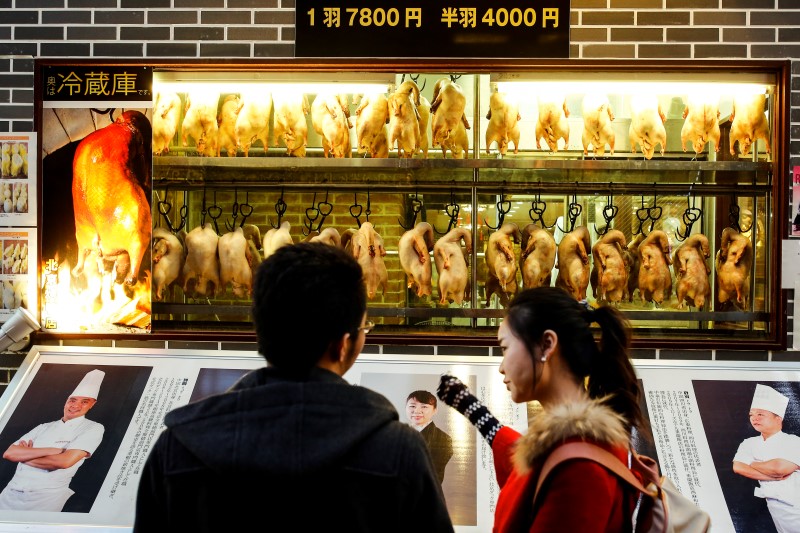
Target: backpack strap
(587, 450)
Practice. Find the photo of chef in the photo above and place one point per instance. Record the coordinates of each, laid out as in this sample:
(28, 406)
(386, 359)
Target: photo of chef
(96, 220)
(407, 392)
(752, 430)
(63, 435)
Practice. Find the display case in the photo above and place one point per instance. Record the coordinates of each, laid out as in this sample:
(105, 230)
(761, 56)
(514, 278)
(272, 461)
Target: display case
(650, 186)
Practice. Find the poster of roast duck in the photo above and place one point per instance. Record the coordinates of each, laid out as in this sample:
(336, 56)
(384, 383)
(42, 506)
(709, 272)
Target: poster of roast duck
(96, 186)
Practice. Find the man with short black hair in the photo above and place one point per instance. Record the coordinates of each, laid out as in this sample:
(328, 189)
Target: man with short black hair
(293, 446)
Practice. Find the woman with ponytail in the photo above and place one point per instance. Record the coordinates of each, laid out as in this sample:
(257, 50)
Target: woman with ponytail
(588, 391)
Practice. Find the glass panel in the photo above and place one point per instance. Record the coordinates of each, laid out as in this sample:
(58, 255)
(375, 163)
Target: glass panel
(487, 187)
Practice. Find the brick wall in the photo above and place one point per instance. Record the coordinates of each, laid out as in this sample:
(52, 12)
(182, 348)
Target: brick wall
(618, 29)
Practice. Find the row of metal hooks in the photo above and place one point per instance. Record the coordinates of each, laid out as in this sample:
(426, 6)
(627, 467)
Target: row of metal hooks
(318, 211)
(213, 211)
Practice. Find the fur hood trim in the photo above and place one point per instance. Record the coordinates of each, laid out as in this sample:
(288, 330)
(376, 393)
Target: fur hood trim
(589, 420)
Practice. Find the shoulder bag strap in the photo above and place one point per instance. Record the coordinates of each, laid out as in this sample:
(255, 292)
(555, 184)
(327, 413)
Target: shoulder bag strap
(586, 450)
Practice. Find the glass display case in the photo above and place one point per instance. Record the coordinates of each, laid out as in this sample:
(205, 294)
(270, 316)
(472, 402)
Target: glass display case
(652, 187)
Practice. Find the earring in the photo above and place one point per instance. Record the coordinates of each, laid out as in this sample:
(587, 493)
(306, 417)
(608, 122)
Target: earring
(543, 359)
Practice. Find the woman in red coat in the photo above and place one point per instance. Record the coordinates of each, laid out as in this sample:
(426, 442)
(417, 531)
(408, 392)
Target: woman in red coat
(588, 391)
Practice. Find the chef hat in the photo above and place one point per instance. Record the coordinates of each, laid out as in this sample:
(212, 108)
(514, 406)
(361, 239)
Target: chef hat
(89, 386)
(770, 400)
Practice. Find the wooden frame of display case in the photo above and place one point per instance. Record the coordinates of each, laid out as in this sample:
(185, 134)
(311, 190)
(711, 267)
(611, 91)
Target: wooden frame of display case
(482, 177)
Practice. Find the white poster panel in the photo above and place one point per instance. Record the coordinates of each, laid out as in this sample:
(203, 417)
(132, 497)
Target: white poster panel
(18, 156)
(700, 417)
(698, 412)
(18, 280)
(137, 390)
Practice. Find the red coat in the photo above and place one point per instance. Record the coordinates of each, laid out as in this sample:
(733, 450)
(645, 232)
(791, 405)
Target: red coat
(578, 496)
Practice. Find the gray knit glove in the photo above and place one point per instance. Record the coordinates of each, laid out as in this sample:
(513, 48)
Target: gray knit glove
(457, 395)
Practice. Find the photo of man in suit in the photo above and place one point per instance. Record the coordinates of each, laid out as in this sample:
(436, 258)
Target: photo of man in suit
(421, 405)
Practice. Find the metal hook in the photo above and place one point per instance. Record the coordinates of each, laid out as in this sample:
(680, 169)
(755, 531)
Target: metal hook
(452, 209)
(609, 212)
(642, 217)
(503, 207)
(312, 214)
(538, 207)
(245, 209)
(368, 211)
(654, 212)
(164, 207)
(215, 211)
(235, 210)
(574, 210)
(280, 209)
(203, 211)
(691, 215)
(415, 81)
(733, 216)
(324, 208)
(356, 209)
(416, 207)
(643, 214)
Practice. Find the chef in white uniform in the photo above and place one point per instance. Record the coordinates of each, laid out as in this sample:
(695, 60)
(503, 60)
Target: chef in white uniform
(772, 458)
(49, 455)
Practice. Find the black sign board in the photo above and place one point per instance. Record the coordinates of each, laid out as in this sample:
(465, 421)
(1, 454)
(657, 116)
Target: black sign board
(431, 28)
(101, 83)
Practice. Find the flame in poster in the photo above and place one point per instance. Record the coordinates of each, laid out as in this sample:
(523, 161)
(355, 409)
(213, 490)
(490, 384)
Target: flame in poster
(97, 304)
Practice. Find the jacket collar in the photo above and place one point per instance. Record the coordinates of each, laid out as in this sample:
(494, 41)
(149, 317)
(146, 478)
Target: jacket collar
(589, 420)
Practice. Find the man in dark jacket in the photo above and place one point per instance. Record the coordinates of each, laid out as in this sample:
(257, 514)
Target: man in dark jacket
(293, 446)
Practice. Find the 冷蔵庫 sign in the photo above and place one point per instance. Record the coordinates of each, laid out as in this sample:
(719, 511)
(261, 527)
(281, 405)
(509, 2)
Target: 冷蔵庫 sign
(481, 28)
(101, 83)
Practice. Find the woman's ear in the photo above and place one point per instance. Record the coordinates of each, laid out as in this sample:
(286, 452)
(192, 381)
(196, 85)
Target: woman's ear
(549, 342)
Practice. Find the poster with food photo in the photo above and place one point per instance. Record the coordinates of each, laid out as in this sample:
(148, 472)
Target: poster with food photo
(96, 140)
(18, 155)
(18, 284)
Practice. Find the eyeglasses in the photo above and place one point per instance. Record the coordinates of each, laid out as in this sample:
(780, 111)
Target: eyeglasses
(367, 327)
